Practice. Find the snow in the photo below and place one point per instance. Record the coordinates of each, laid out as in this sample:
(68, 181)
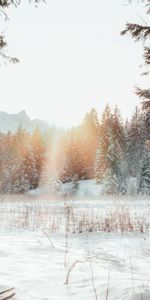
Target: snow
(32, 258)
(86, 188)
(89, 188)
(29, 263)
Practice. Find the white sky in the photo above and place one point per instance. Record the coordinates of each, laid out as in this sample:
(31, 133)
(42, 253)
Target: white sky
(72, 59)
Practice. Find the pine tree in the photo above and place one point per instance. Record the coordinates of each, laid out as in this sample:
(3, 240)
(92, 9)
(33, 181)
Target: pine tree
(144, 177)
(89, 136)
(50, 181)
(116, 155)
(110, 161)
(73, 162)
(118, 128)
(89, 133)
(7, 162)
(39, 152)
(101, 162)
(115, 181)
(141, 32)
(135, 142)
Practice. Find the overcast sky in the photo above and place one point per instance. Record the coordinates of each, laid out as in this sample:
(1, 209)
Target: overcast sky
(72, 58)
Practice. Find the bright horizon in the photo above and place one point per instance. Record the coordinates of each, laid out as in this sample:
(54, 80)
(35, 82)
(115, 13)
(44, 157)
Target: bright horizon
(72, 58)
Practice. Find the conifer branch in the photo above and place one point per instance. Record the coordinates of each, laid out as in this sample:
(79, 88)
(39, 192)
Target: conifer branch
(138, 32)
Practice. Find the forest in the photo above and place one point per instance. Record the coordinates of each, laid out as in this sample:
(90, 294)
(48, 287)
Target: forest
(108, 149)
(113, 151)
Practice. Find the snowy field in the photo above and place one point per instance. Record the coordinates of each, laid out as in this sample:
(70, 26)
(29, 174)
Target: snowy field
(75, 249)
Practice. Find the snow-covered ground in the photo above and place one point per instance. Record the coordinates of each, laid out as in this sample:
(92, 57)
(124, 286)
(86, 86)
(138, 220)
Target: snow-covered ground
(75, 249)
(86, 188)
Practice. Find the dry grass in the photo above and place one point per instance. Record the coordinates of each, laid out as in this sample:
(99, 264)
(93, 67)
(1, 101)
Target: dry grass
(117, 220)
(32, 214)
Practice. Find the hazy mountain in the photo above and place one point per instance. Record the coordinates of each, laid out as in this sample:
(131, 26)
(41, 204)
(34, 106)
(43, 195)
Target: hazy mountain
(10, 122)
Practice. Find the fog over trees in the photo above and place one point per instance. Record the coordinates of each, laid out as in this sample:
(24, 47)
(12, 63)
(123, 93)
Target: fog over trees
(109, 149)
(114, 151)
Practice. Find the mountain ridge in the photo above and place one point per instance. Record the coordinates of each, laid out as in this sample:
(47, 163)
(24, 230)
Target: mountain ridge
(10, 122)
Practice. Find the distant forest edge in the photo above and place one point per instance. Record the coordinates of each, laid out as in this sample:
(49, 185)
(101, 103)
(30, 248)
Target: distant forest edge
(114, 152)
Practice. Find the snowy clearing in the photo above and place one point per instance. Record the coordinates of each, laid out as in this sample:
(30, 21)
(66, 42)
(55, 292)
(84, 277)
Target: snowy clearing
(47, 255)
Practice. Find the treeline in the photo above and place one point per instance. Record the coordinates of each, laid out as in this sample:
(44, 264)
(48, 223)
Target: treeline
(114, 152)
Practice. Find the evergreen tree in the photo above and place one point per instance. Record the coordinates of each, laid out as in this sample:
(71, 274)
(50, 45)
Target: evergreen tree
(135, 142)
(7, 162)
(50, 181)
(115, 181)
(39, 152)
(116, 155)
(110, 160)
(19, 159)
(141, 32)
(101, 162)
(144, 177)
(89, 133)
(22, 157)
(73, 162)
(118, 128)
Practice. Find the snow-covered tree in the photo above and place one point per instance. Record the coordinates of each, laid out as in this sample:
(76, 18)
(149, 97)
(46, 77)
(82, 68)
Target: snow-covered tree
(115, 181)
(21, 161)
(135, 142)
(144, 176)
(89, 133)
(72, 162)
(101, 162)
(110, 161)
(50, 181)
(39, 152)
